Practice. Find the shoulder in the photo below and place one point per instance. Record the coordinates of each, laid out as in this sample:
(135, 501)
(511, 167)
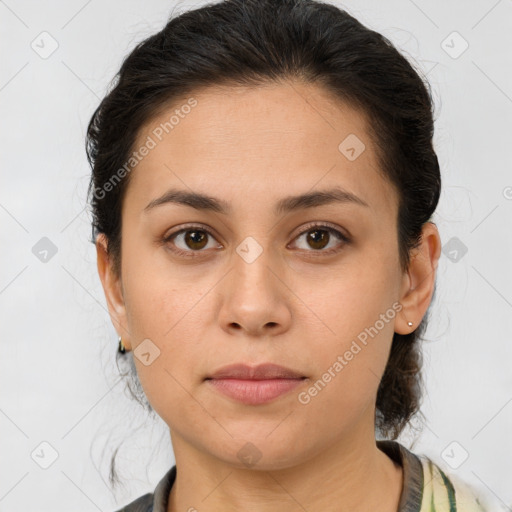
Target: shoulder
(443, 490)
(429, 487)
(156, 501)
(142, 504)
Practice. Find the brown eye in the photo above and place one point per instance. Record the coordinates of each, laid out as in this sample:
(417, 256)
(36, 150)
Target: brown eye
(322, 239)
(318, 238)
(195, 239)
(186, 242)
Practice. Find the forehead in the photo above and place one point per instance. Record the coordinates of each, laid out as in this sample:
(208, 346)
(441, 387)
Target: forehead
(259, 141)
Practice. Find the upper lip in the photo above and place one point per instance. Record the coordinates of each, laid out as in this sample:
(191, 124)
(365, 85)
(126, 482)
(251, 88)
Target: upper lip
(259, 372)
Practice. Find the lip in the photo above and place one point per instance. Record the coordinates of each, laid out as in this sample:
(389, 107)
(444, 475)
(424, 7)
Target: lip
(254, 385)
(259, 372)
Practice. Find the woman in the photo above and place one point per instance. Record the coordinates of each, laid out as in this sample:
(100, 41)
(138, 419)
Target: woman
(262, 191)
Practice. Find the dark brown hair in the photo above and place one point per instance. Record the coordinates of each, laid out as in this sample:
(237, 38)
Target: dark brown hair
(254, 42)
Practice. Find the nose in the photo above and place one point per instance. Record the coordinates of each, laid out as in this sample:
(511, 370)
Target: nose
(255, 298)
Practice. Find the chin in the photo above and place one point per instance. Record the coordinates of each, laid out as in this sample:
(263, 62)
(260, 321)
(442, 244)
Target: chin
(260, 453)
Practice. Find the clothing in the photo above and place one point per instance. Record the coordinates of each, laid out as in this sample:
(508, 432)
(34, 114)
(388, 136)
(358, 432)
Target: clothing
(427, 488)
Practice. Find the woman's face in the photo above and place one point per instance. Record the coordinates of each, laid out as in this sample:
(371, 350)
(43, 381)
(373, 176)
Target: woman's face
(260, 278)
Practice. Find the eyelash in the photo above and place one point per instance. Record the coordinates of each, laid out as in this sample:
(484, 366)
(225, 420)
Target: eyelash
(193, 254)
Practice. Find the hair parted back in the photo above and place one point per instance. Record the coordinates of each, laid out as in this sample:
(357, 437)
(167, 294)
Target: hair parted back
(256, 42)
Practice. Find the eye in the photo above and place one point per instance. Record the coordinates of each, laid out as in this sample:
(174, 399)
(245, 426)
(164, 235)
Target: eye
(322, 238)
(190, 240)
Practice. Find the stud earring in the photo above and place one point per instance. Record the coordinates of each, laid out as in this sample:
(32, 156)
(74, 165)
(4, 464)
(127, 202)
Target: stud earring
(121, 348)
(408, 323)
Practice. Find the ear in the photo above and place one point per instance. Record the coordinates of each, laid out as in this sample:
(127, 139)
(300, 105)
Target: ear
(113, 290)
(418, 283)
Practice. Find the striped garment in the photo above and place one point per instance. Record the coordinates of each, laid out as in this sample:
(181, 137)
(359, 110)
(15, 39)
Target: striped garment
(426, 488)
(448, 493)
(429, 488)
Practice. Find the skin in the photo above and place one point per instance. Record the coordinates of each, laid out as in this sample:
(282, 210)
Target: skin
(251, 147)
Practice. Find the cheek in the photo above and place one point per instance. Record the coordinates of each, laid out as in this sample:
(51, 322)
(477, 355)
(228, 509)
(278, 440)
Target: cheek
(167, 310)
(348, 299)
(350, 322)
(348, 372)
(155, 296)
(160, 293)
(173, 317)
(175, 350)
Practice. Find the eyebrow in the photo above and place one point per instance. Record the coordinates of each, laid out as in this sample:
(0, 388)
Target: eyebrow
(288, 204)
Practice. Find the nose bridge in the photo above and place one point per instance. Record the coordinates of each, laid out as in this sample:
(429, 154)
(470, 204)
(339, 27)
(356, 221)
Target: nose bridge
(252, 258)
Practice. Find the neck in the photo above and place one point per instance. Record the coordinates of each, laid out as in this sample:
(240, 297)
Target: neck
(351, 475)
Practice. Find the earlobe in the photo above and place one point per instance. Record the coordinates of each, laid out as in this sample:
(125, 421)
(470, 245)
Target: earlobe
(112, 288)
(419, 281)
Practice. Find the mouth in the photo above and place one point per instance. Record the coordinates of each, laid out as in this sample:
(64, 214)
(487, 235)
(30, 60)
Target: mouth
(260, 372)
(255, 385)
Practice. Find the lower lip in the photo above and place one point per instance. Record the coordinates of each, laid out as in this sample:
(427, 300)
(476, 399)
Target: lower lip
(254, 392)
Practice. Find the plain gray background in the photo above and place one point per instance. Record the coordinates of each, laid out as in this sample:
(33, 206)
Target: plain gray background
(58, 379)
